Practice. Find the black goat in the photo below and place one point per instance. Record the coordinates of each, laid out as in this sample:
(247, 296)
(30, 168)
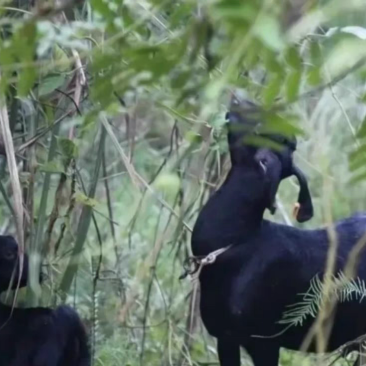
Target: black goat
(36, 336)
(9, 264)
(247, 289)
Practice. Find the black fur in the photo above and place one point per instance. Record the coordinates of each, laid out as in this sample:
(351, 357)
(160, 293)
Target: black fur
(9, 264)
(246, 291)
(37, 336)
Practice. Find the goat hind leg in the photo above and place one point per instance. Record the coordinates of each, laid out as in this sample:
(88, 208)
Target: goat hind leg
(229, 352)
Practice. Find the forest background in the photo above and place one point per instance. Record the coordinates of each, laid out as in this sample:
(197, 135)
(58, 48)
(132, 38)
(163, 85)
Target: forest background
(113, 137)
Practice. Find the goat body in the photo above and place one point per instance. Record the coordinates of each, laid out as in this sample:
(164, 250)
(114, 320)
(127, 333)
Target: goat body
(36, 336)
(42, 337)
(247, 290)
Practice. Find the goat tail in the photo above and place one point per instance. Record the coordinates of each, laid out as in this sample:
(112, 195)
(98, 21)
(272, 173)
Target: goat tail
(77, 351)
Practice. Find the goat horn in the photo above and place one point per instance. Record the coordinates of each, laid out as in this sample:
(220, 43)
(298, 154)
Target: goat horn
(304, 210)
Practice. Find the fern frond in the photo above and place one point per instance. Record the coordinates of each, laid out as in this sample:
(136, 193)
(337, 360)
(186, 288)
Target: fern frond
(341, 287)
(309, 306)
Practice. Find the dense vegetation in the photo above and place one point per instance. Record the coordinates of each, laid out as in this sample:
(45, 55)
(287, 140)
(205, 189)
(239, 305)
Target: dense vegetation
(116, 113)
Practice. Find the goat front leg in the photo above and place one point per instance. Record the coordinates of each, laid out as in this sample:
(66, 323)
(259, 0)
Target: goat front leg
(229, 352)
(264, 354)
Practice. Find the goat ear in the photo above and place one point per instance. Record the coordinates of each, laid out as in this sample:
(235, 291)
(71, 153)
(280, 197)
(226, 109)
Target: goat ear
(274, 176)
(273, 191)
(271, 168)
(304, 210)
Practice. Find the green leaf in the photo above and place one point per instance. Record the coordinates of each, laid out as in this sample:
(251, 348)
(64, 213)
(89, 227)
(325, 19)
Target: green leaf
(231, 11)
(271, 62)
(199, 37)
(68, 148)
(6, 56)
(4, 84)
(357, 158)
(293, 58)
(362, 98)
(315, 53)
(168, 183)
(50, 83)
(104, 8)
(359, 151)
(314, 76)
(61, 59)
(357, 163)
(361, 133)
(281, 124)
(313, 73)
(272, 90)
(292, 85)
(26, 80)
(358, 178)
(252, 54)
(267, 29)
(193, 137)
(24, 49)
(80, 197)
(52, 167)
(181, 13)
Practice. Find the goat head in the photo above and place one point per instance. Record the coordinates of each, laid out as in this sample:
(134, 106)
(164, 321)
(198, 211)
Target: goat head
(244, 122)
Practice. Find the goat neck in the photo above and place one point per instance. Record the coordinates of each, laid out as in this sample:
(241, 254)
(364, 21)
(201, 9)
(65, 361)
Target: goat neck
(233, 214)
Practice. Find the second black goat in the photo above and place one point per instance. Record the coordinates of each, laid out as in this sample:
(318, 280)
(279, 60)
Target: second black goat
(247, 289)
(36, 336)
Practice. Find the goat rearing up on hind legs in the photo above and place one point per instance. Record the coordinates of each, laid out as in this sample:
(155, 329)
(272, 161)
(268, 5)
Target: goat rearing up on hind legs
(245, 292)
